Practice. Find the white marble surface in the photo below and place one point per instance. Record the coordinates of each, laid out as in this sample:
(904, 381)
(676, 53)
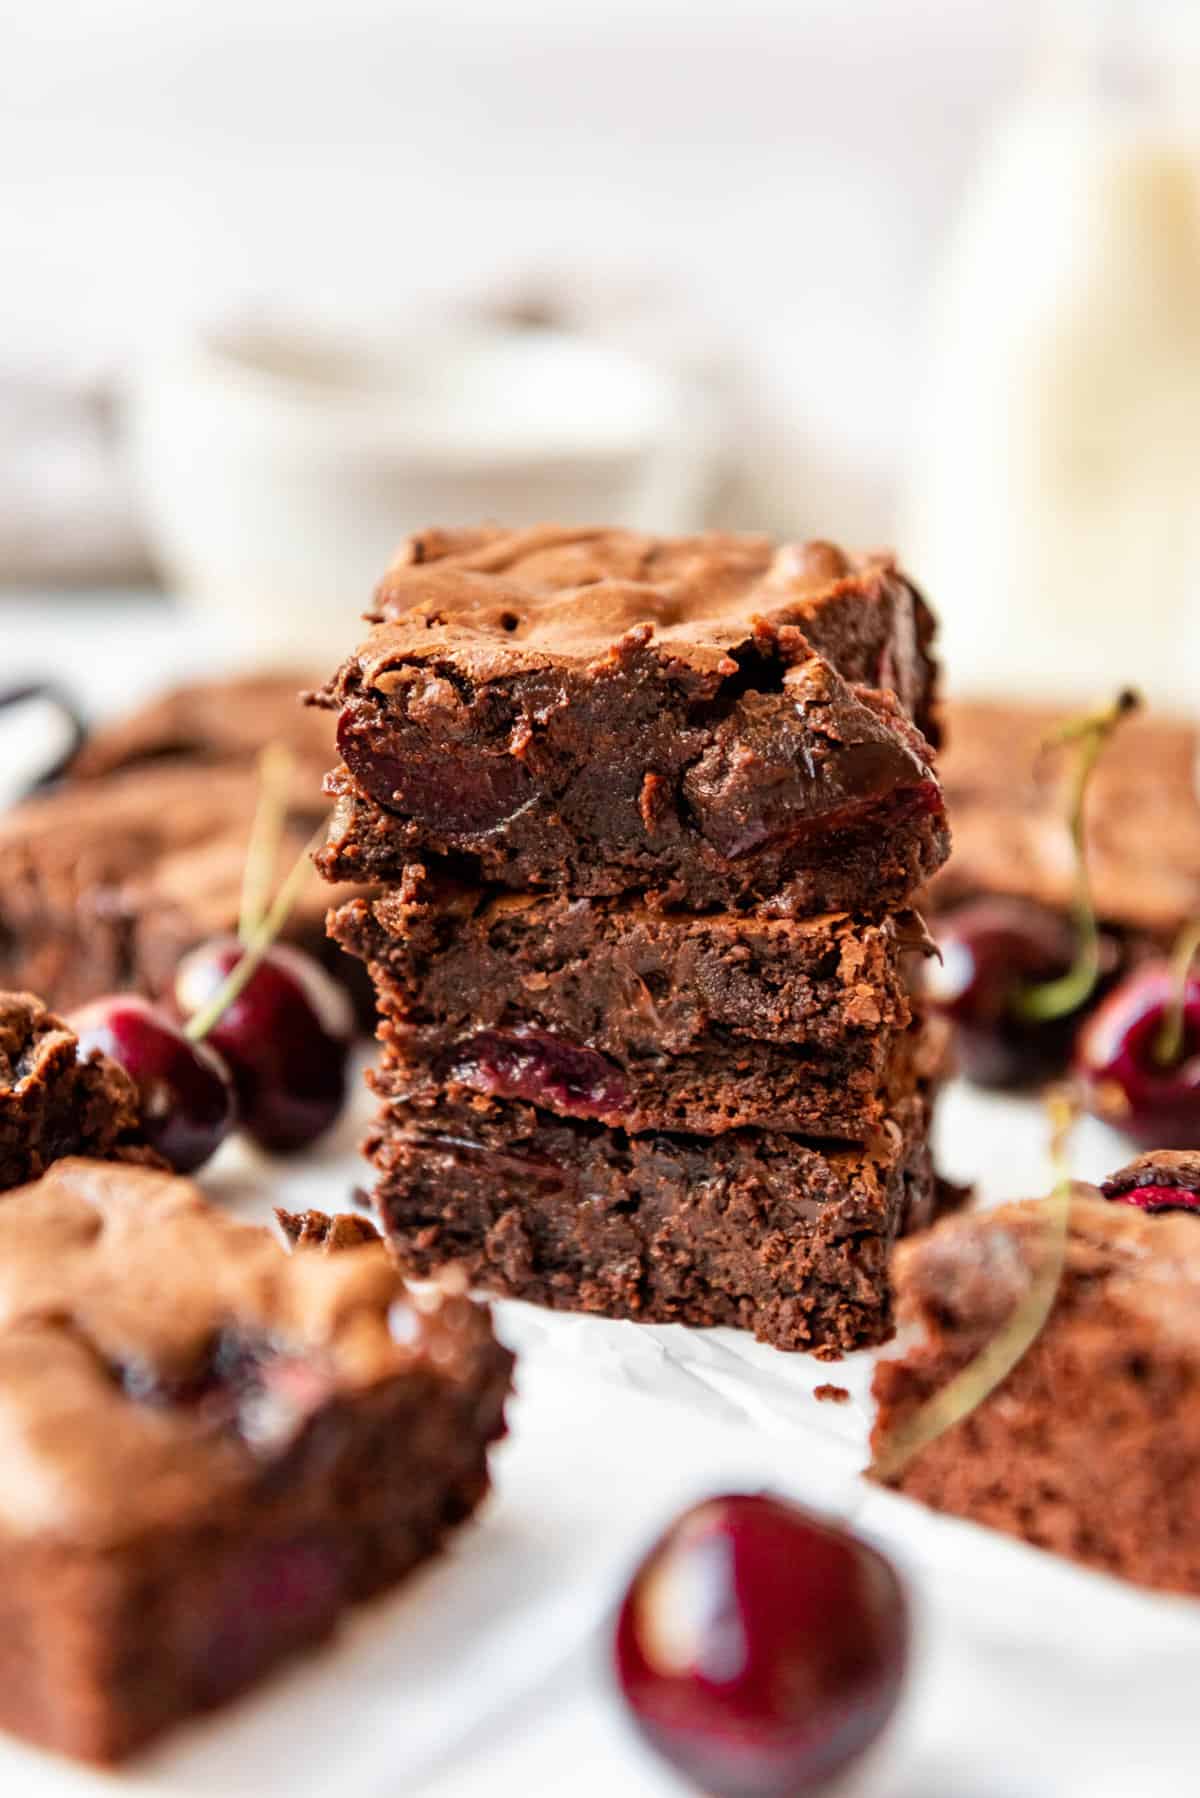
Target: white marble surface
(486, 1677)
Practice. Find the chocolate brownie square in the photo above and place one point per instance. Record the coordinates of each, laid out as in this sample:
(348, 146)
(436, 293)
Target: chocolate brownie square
(1091, 1446)
(1008, 811)
(762, 1230)
(709, 721)
(53, 1102)
(606, 1009)
(211, 1449)
(107, 882)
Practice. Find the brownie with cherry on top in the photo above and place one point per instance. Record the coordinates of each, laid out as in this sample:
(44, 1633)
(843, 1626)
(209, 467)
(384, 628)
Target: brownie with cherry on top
(212, 1449)
(607, 1009)
(713, 722)
(1090, 1447)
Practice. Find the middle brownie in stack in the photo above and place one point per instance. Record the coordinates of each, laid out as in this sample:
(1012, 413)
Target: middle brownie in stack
(676, 1074)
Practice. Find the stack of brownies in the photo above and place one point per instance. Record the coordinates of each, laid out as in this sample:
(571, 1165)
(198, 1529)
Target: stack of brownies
(643, 818)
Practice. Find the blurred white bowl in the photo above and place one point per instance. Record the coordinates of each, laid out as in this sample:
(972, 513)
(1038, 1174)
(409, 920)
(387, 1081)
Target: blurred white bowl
(277, 473)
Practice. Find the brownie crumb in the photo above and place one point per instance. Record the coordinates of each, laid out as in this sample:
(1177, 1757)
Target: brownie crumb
(317, 1230)
(832, 1395)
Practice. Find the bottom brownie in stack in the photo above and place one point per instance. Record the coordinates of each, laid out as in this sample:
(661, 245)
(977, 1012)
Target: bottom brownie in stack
(716, 1119)
(774, 1233)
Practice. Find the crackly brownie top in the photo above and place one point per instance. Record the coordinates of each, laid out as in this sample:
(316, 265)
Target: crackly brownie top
(962, 1279)
(154, 1353)
(511, 600)
(209, 721)
(1007, 805)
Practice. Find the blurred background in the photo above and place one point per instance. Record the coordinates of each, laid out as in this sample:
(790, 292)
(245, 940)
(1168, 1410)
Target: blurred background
(279, 282)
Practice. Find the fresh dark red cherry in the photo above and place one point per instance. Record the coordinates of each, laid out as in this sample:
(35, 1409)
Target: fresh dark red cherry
(186, 1090)
(993, 952)
(1124, 1080)
(760, 1650)
(286, 1037)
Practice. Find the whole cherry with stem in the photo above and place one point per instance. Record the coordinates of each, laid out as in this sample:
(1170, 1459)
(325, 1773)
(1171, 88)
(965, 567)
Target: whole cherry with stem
(1014, 977)
(279, 1019)
(1138, 1055)
(259, 1035)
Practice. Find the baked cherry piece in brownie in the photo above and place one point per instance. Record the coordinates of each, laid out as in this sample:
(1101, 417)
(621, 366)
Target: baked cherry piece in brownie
(108, 882)
(708, 721)
(765, 1231)
(206, 722)
(211, 1449)
(1163, 1180)
(54, 1102)
(605, 1009)
(1091, 1446)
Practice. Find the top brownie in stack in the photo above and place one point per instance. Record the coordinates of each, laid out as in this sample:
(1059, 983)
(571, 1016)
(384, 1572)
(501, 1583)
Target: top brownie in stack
(708, 721)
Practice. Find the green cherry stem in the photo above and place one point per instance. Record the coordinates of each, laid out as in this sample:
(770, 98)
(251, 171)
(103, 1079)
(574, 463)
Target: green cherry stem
(202, 1021)
(1058, 998)
(266, 834)
(1169, 1047)
(996, 1360)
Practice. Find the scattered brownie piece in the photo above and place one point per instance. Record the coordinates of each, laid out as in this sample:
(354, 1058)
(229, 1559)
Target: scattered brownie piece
(1091, 1445)
(211, 1449)
(832, 1395)
(52, 1103)
(318, 1230)
(205, 722)
(1006, 807)
(108, 882)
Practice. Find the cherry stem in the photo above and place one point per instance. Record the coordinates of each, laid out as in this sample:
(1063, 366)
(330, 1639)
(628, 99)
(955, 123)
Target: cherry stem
(202, 1021)
(1058, 998)
(995, 1361)
(1169, 1047)
(270, 817)
(266, 833)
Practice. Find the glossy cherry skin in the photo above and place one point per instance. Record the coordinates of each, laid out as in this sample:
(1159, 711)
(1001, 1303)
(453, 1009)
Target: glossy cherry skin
(759, 1650)
(1122, 1078)
(993, 951)
(186, 1090)
(286, 1038)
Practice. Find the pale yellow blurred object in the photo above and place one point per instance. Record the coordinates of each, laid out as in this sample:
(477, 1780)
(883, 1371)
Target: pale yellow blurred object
(1053, 508)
